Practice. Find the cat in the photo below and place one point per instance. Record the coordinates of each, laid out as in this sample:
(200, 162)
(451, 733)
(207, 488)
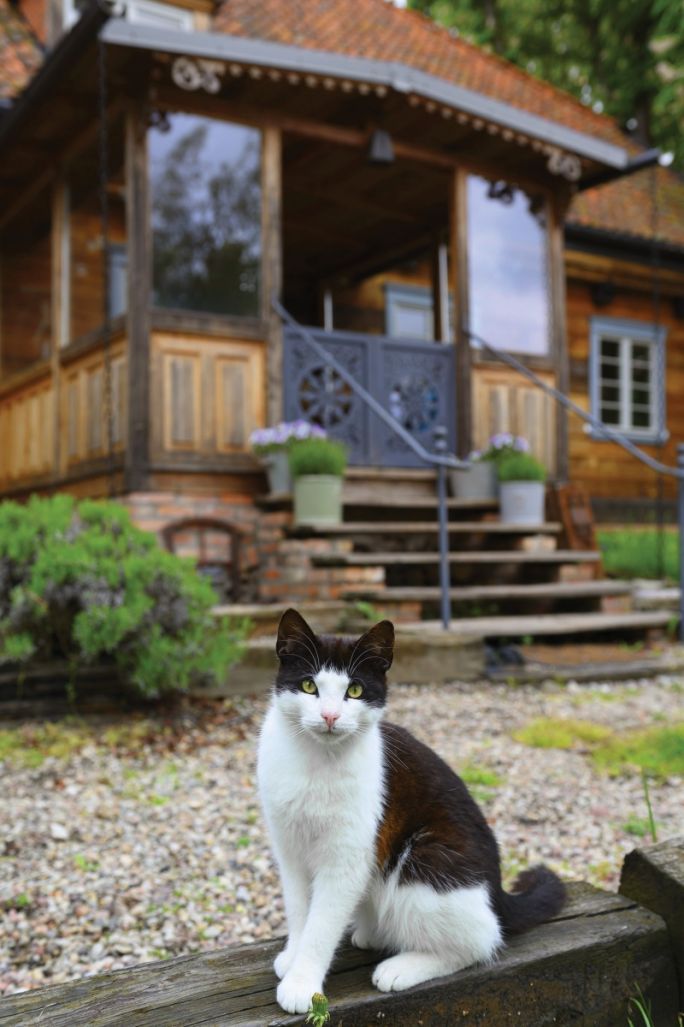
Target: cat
(372, 830)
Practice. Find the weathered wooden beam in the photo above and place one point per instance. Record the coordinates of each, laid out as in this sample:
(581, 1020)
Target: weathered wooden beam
(655, 878)
(581, 968)
(458, 236)
(559, 335)
(138, 234)
(272, 265)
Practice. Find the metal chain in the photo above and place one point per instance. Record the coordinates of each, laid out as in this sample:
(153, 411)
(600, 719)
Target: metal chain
(103, 138)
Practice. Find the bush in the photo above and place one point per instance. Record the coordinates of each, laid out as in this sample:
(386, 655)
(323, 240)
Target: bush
(79, 582)
(520, 467)
(318, 456)
(636, 553)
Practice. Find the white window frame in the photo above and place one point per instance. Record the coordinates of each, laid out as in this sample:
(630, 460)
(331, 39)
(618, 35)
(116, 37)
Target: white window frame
(148, 12)
(629, 333)
(416, 297)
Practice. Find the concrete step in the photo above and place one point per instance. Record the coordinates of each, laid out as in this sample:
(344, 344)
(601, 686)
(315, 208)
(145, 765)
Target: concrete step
(520, 591)
(547, 624)
(351, 528)
(507, 556)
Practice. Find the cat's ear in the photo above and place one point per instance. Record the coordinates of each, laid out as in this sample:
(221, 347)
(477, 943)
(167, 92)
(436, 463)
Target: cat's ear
(295, 637)
(378, 643)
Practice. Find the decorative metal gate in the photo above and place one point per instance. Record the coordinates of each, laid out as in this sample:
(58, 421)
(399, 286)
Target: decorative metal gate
(413, 380)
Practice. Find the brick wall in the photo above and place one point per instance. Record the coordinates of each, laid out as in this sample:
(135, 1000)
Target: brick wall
(274, 567)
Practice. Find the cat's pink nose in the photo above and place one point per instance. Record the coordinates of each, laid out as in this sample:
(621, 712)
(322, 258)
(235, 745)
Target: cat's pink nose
(330, 719)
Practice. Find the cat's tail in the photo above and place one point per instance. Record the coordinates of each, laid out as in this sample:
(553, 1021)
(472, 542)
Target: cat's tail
(538, 894)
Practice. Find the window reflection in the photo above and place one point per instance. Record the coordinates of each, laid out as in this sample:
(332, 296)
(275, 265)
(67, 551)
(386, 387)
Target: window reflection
(206, 214)
(507, 267)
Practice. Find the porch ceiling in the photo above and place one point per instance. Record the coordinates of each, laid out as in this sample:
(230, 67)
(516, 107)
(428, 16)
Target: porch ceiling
(344, 218)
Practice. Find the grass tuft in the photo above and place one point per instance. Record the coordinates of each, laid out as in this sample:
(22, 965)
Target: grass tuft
(635, 553)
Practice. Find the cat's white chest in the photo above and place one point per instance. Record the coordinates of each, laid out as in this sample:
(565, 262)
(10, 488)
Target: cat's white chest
(312, 796)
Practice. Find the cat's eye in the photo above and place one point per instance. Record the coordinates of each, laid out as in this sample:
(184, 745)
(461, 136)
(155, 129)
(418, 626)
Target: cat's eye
(309, 687)
(355, 690)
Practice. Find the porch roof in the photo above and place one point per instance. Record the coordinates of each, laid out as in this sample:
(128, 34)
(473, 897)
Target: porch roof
(378, 75)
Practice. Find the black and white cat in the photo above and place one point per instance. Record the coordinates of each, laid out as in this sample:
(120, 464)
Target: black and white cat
(371, 829)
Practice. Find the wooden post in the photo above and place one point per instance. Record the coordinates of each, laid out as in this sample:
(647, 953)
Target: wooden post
(458, 235)
(559, 339)
(138, 233)
(272, 266)
(60, 281)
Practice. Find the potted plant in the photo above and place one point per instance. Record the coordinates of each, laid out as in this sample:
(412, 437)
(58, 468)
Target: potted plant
(317, 466)
(480, 481)
(522, 489)
(272, 445)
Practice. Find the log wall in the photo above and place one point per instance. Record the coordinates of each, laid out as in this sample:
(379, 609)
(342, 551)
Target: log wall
(605, 469)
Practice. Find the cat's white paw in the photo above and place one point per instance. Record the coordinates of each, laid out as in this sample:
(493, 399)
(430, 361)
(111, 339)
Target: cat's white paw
(405, 970)
(283, 961)
(295, 992)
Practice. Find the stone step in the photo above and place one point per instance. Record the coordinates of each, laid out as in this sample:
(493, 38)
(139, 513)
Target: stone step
(508, 556)
(520, 591)
(547, 624)
(324, 616)
(351, 528)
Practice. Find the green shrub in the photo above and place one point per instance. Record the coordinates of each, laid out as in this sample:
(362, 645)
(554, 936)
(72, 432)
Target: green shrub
(318, 456)
(79, 582)
(635, 553)
(520, 467)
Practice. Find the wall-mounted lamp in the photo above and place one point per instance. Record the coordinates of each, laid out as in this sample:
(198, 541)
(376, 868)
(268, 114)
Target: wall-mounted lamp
(380, 150)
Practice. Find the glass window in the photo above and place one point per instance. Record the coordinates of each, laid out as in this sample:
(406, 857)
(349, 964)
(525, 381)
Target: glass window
(627, 379)
(206, 215)
(26, 287)
(86, 288)
(409, 313)
(507, 267)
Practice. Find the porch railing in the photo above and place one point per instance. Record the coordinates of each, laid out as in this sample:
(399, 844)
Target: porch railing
(614, 436)
(440, 459)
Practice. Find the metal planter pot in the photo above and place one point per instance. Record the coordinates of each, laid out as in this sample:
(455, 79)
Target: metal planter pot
(318, 499)
(522, 502)
(277, 466)
(478, 481)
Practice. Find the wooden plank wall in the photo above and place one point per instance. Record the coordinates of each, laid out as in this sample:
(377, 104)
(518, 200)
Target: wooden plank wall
(86, 270)
(504, 401)
(26, 431)
(602, 467)
(207, 395)
(84, 415)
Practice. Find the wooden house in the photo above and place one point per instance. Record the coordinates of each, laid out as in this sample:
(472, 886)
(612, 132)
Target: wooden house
(167, 168)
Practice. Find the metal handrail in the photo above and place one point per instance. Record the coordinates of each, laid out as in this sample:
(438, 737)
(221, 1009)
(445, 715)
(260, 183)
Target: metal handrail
(440, 459)
(613, 436)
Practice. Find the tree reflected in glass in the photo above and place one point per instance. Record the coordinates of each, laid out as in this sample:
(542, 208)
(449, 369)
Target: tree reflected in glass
(206, 215)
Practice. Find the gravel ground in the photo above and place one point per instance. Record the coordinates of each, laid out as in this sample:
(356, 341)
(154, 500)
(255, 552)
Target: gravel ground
(149, 844)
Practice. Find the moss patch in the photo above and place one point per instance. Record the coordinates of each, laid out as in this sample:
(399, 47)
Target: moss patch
(658, 751)
(560, 733)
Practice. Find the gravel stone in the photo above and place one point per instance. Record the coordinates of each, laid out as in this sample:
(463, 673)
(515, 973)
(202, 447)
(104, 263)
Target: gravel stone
(166, 853)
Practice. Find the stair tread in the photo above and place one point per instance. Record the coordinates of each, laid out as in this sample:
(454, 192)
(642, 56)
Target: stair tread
(427, 527)
(482, 556)
(545, 624)
(552, 590)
